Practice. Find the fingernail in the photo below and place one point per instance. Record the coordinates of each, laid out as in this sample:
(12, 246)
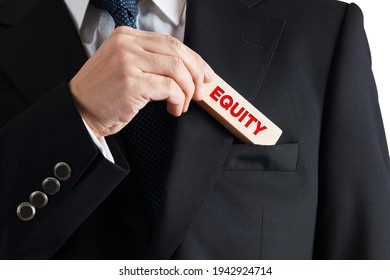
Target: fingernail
(209, 73)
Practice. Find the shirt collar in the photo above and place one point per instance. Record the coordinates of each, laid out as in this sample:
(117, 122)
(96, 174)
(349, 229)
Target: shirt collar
(77, 9)
(173, 9)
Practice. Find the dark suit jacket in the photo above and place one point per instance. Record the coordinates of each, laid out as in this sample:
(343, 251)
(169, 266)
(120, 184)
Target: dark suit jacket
(322, 192)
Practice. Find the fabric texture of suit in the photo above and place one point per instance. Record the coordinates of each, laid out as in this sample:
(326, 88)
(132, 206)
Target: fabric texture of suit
(322, 192)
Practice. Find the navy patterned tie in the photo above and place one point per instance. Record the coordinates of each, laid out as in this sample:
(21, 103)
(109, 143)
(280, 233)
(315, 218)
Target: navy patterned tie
(124, 12)
(147, 137)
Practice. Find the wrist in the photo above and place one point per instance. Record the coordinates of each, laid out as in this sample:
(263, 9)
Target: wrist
(90, 124)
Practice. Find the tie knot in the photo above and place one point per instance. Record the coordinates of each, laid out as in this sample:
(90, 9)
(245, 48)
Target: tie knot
(124, 12)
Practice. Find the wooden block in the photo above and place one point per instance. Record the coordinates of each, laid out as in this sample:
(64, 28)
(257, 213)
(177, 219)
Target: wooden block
(238, 115)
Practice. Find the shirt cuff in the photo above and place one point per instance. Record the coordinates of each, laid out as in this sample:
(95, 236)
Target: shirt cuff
(100, 143)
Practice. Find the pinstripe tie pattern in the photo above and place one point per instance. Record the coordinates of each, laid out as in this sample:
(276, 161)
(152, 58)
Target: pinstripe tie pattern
(124, 12)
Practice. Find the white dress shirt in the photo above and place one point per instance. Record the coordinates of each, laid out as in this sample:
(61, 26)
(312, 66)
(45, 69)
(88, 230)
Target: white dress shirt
(95, 25)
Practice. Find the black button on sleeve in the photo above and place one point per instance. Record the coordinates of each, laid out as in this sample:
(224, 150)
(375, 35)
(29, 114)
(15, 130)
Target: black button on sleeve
(62, 171)
(38, 199)
(51, 186)
(25, 211)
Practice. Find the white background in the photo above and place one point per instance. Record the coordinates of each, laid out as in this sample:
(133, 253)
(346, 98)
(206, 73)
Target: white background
(377, 25)
(109, 270)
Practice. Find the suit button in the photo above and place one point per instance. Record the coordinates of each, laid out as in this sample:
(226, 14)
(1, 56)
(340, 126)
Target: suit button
(25, 211)
(38, 199)
(62, 171)
(51, 186)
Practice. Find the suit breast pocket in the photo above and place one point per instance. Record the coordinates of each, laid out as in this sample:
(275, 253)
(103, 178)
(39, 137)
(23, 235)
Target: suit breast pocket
(249, 157)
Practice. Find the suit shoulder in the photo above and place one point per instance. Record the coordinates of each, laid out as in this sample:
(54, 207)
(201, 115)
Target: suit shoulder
(327, 4)
(316, 2)
(308, 5)
(309, 13)
(13, 10)
(321, 12)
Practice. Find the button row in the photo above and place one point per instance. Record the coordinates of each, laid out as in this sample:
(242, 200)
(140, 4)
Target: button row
(38, 199)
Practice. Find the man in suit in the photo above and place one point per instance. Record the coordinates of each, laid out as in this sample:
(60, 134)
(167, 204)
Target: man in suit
(323, 191)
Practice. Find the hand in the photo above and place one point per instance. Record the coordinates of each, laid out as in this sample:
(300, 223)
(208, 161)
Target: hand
(131, 68)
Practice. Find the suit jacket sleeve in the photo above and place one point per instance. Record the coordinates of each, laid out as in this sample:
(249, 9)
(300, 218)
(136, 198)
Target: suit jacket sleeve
(48, 132)
(354, 210)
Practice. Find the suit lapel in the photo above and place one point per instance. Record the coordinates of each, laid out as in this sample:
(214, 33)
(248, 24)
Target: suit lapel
(42, 49)
(238, 42)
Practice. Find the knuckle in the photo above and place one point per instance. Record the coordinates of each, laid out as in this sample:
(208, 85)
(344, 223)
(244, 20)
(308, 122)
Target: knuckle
(175, 43)
(124, 118)
(123, 80)
(191, 90)
(125, 77)
(169, 84)
(120, 30)
(199, 72)
(177, 65)
(198, 75)
(122, 59)
(121, 56)
(116, 41)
